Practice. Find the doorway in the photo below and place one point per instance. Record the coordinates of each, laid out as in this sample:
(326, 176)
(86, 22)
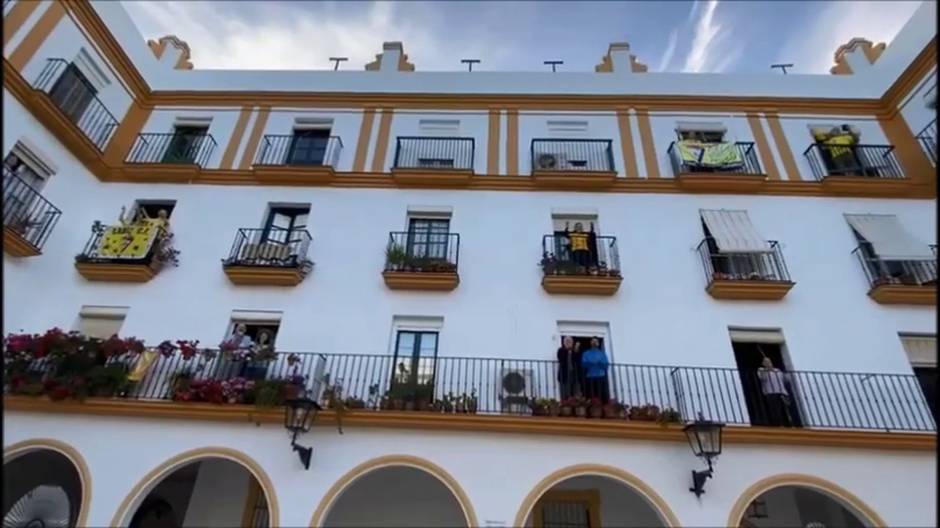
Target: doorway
(308, 147)
(185, 144)
(749, 356)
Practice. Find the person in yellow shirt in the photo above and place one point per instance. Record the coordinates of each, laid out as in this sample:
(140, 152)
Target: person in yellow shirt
(580, 244)
(839, 143)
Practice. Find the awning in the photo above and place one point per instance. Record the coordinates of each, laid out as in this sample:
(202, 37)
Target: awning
(888, 237)
(733, 232)
(921, 350)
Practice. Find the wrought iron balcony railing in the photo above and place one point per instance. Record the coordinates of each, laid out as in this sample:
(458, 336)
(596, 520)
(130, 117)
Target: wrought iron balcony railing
(572, 155)
(422, 251)
(818, 400)
(26, 212)
(77, 99)
(172, 148)
(928, 141)
(299, 150)
(741, 159)
(271, 247)
(592, 255)
(880, 272)
(866, 161)
(446, 153)
(767, 266)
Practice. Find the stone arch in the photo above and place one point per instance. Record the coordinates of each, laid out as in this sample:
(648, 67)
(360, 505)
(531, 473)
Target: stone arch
(19, 449)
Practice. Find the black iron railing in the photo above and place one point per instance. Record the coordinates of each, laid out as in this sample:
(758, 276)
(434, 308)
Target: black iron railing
(880, 272)
(580, 253)
(742, 160)
(422, 251)
(434, 153)
(825, 400)
(26, 212)
(299, 150)
(174, 148)
(572, 155)
(928, 140)
(125, 244)
(765, 266)
(269, 247)
(867, 161)
(77, 99)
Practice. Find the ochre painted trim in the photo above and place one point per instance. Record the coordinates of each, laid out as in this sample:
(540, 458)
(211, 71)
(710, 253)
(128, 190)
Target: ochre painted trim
(655, 500)
(591, 498)
(573, 179)
(382, 140)
(626, 145)
(512, 142)
(261, 120)
(16, 246)
(18, 449)
(830, 489)
(649, 147)
(108, 272)
(235, 141)
(263, 276)
(434, 178)
(720, 182)
(293, 175)
(329, 498)
(749, 290)
(580, 284)
(618, 429)
(365, 134)
(17, 16)
(250, 498)
(908, 150)
(422, 281)
(492, 143)
(121, 142)
(37, 35)
(763, 148)
(904, 294)
(145, 485)
(790, 169)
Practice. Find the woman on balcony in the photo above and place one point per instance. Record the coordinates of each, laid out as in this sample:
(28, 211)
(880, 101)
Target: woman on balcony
(569, 368)
(595, 364)
(773, 386)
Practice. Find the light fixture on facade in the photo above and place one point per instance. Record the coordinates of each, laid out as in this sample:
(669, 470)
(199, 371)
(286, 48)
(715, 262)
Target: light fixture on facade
(299, 415)
(705, 440)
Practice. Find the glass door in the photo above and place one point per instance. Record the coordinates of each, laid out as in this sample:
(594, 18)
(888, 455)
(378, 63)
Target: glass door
(428, 238)
(72, 93)
(184, 145)
(283, 232)
(414, 366)
(308, 147)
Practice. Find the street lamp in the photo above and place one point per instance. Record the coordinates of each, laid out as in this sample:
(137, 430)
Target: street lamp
(299, 415)
(705, 441)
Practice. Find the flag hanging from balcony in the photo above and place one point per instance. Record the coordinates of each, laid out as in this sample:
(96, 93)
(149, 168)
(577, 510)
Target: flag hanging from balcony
(888, 237)
(733, 231)
(128, 242)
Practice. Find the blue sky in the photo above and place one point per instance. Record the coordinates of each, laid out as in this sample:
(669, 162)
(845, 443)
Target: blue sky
(700, 36)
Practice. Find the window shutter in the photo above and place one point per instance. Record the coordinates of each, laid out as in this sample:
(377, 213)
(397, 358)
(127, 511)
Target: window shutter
(921, 350)
(888, 237)
(733, 231)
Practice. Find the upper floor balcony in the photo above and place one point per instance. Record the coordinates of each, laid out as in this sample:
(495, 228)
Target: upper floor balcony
(928, 141)
(28, 218)
(268, 256)
(177, 155)
(133, 251)
(760, 274)
(899, 281)
(306, 156)
(444, 161)
(716, 166)
(578, 262)
(74, 100)
(573, 162)
(422, 259)
(856, 169)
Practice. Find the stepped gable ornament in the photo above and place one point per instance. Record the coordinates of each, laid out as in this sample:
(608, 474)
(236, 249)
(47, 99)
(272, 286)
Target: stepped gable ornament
(607, 65)
(872, 53)
(159, 46)
(403, 64)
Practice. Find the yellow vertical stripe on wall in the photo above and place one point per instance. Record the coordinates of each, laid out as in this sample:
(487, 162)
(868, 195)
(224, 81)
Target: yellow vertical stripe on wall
(907, 149)
(15, 19)
(126, 134)
(626, 145)
(492, 144)
(763, 148)
(256, 131)
(365, 133)
(381, 142)
(646, 138)
(231, 150)
(512, 142)
(36, 36)
(790, 169)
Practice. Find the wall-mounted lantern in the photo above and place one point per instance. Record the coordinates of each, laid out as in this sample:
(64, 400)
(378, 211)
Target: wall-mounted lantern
(705, 440)
(299, 415)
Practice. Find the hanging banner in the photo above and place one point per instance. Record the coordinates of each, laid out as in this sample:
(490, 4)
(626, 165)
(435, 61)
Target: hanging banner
(128, 242)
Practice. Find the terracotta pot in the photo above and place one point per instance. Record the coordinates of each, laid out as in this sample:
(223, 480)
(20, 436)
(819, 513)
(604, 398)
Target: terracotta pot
(566, 410)
(596, 411)
(580, 412)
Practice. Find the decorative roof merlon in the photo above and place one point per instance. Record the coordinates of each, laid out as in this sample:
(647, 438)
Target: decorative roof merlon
(181, 48)
(848, 57)
(618, 59)
(392, 58)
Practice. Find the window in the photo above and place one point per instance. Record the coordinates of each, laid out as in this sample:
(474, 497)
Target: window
(428, 237)
(27, 172)
(185, 143)
(308, 146)
(148, 209)
(889, 253)
(415, 358)
(72, 92)
(769, 394)
(101, 321)
(568, 509)
(922, 353)
(704, 136)
(285, 224)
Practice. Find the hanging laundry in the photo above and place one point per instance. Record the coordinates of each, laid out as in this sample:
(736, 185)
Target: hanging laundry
(710, 155)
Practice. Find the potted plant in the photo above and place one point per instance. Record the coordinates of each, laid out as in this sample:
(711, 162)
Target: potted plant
(581, 407)
(669, 415)
(460, 404)
(395, 257)
(472, 402)
(595, 408)
(646, 413)
(567, 406)
(448, 403)
(613, 409)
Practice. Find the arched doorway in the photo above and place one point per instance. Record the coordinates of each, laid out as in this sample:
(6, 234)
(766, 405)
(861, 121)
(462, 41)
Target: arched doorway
(593, 496)
(43, 486)
(395, 491)
(801, 501)
(205, 488)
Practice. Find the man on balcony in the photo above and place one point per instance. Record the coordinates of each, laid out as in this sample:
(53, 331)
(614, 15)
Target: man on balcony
(773, 386)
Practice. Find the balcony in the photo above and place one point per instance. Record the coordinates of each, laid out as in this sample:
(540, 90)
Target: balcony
(297, 159)
(857, 169)
(268, 257)
(573, 163)
(433, 161)
(745, 276)
(899, 281)
(132, 252)
(591, 271)
(422, 260)
(928, 141)
(28, 218)
(716, 167)
(173, 157)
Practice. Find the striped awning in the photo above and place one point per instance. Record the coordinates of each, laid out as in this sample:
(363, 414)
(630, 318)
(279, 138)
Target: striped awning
(921, 350)
(888, 237)
(733, 231)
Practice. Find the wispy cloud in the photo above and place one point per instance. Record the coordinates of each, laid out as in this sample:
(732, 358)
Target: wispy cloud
(670, 50)
(704, 40)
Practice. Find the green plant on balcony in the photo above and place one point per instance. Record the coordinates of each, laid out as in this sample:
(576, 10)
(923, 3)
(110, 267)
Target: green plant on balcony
(396, 257)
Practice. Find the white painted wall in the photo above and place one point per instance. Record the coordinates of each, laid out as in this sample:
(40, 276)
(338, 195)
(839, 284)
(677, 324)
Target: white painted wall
(914, 108)
(495, 470)
(346, 125)
(219, 495)
(534, 125)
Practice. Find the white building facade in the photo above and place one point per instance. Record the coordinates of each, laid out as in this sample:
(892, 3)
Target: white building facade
(420, 244)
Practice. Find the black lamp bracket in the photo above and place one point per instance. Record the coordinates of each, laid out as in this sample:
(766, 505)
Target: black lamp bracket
(699, 478)
(303, 452)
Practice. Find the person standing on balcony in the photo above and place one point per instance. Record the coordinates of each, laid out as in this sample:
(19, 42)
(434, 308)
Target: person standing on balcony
(580, 243)
(773, 386)
(569, 368)
(595, 364)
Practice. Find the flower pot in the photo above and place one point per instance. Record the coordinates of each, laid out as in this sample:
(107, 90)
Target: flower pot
(612, 412)
(424, 405)
(410, 405)
(398, 405)
(539, 411)
(566, 410)
(596, 411)
(580, 412)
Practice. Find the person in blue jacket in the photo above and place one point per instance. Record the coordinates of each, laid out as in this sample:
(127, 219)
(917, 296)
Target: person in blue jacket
(594, 365)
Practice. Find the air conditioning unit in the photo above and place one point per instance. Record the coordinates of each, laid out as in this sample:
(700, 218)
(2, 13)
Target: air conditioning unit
(550, 161)
(516, 389)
